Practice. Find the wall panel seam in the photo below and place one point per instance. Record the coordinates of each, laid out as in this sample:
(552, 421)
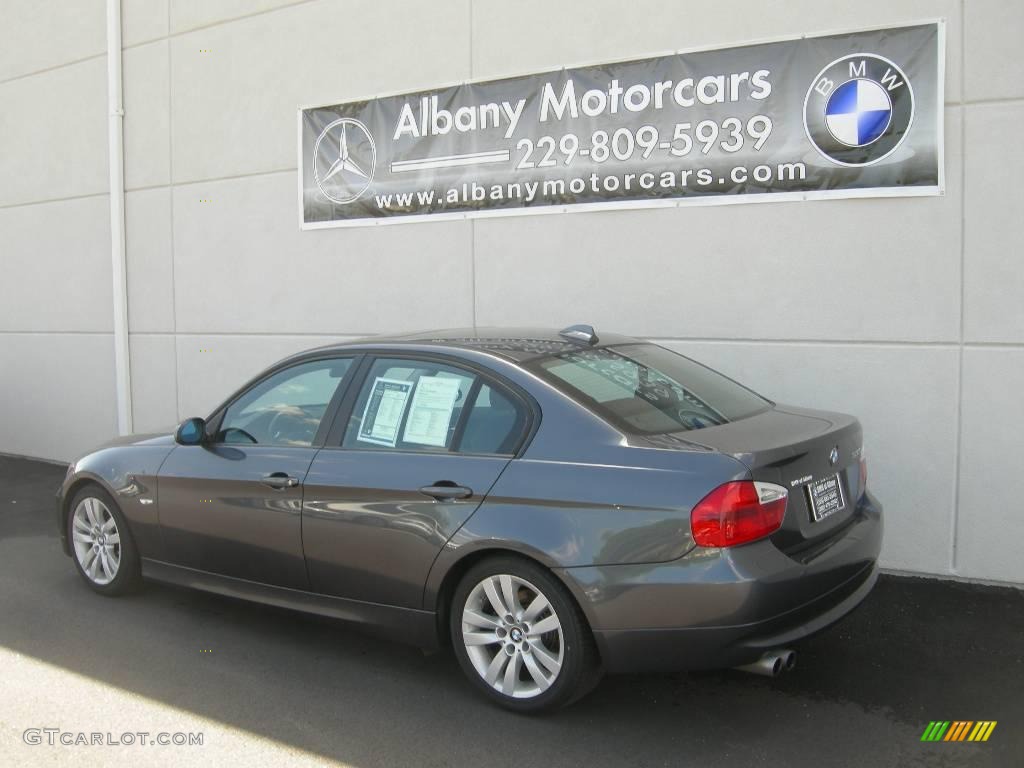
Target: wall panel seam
(232, 177)
(958, 445)
(231, 20)
(46, 201)
(139, 44)
(995, 101)
(170, 204)
(54, 68)
(55, 333)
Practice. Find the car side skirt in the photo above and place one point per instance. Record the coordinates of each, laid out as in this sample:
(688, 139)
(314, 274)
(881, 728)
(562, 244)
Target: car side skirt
(407, 625)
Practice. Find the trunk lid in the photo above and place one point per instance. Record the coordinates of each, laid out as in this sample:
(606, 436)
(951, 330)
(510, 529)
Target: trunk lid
(793, 447)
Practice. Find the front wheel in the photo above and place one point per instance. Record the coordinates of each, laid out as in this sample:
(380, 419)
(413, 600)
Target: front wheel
(101, 544)
(520, 637)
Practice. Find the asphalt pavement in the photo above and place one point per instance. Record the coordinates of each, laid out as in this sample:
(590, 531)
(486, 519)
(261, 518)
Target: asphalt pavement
(272, 687)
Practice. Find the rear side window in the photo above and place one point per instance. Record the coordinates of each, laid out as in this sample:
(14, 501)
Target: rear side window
(423, 405)
(493, 425)
(409, 405)
(646, 389)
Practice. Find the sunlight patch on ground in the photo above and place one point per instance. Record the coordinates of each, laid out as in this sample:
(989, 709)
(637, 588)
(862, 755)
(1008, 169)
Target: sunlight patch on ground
(40, 696)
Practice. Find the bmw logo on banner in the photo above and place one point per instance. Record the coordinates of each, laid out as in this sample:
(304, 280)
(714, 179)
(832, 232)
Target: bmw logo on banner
(859, 109)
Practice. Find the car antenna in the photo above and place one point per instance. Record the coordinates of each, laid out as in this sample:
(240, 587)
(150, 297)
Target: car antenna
(582, 333)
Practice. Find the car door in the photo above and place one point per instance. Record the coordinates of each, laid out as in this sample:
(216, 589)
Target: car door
(232, 506)
(415, 449)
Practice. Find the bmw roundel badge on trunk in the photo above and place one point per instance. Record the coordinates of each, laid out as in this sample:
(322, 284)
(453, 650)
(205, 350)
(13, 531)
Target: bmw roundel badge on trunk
(858, 109)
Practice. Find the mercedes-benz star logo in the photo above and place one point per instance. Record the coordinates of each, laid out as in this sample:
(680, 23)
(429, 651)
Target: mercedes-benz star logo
(833, 455)
(344, 159)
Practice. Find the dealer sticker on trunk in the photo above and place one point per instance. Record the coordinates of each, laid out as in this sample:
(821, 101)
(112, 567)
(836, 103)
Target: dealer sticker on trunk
(826, 497)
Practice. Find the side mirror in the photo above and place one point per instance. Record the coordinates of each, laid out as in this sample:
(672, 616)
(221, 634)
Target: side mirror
(191, 432)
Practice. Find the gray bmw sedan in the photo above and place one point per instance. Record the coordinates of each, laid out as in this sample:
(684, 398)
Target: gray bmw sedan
(552, 504)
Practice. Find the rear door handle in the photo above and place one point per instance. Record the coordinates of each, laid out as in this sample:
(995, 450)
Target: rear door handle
(279, 481)
(445, 490)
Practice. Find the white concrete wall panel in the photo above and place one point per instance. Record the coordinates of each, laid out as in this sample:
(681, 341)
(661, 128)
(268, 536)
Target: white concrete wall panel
(147, 116)
(149, 261)
(56, 266)
(993, 255)
(826, 270)
(993, 67)
(54, 132)
(235, 106)
(143, 21)
(154, 382)
(57, 393)
(40, 34)
(991, 483)
(243, 266)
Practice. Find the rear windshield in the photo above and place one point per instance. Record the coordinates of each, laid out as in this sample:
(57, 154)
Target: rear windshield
(646, 389)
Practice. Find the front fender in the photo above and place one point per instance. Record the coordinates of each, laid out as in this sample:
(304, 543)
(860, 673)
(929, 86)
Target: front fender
(129, 474)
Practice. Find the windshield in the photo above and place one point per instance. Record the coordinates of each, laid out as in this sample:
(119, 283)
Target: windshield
(647, 389)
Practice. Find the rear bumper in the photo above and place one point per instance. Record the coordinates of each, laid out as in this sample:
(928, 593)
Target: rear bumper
(722, 608)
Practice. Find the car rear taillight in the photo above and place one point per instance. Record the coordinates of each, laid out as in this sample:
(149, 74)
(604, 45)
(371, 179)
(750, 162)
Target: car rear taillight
(737, 513)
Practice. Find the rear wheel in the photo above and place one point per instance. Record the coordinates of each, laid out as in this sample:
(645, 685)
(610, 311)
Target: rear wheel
(101, 544)
(520, 637)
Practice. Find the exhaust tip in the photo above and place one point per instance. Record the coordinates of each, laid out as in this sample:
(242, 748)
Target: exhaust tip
(772, 663)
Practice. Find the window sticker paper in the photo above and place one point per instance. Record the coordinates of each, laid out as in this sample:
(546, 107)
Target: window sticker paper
(431, 412)
(384, 410)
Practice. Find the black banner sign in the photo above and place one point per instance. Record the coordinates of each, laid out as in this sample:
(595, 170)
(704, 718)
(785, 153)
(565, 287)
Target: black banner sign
(848, 115)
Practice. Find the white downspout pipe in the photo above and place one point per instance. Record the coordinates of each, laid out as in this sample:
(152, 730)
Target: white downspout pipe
(115, 132)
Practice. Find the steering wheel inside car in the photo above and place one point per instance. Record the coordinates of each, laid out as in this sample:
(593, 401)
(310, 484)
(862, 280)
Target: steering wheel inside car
(288, 424)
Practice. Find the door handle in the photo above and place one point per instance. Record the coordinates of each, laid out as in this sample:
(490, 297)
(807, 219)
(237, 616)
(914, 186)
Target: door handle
(446, 490)
(279, 481)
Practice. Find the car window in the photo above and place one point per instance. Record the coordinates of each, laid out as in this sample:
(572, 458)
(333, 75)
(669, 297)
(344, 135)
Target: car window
(648, 389)
(286, 408)
(493, 425)
(409, 405)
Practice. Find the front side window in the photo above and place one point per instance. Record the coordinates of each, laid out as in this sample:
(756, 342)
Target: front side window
(286, 408)
(647, 389)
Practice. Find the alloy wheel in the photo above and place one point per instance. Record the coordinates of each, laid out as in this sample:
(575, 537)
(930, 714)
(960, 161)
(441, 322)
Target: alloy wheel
(513, 636)
(96, 540)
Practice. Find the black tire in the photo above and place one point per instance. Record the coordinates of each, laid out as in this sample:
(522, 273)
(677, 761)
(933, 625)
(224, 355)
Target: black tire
(129, 572)
(580, 662)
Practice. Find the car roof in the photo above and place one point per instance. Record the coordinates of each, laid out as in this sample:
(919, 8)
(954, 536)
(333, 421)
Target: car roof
(516, 344)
